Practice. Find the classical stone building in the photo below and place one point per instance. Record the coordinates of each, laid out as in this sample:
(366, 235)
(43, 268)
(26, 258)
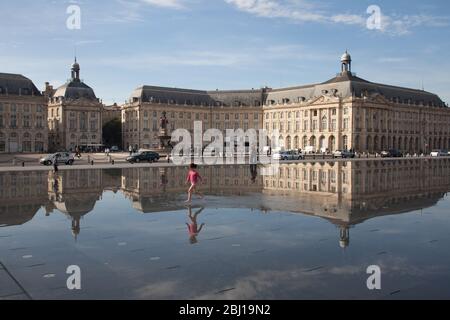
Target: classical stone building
(23, 115)
(216, 109)
(348, 112)
(345, 112)
(74, 115)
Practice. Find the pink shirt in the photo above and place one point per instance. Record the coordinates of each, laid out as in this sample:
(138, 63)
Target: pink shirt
(193, 230)
(193, 177)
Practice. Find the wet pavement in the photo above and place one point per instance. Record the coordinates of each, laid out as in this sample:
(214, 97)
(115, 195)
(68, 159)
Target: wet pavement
(310, 231)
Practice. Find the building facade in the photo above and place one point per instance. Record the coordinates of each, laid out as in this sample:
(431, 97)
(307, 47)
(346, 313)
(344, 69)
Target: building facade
(74, 115)
(23, 116)
(216, 109)
(345, 112)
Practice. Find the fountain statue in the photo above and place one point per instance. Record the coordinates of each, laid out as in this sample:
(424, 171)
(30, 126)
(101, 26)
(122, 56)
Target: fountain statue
(164, 136)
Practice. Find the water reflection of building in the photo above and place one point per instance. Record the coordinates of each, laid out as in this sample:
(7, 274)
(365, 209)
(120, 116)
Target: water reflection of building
(74, 193)
(22, 194)
(345, 193)
(153, 189)
(350, 193)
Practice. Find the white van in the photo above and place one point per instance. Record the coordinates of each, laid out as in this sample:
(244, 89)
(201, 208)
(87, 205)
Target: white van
(309, 150)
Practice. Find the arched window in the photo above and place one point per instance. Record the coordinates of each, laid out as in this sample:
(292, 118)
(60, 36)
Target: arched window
(312, 141)
(288, 143)
(332, 144)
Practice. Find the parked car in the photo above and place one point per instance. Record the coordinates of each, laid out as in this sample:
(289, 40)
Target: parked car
(439, 153)
(114, 149)
(343, 154)
(287, 155)
(144, 156)
(391, 154)
(61, 157)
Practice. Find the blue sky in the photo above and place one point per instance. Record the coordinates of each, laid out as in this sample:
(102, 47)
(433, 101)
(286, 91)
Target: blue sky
(225, 44)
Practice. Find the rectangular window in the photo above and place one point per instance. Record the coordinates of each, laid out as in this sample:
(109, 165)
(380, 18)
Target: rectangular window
(83, 121)
(333, 125)
(346, 122)
(72, 124)
(26, 121)
(13, 122)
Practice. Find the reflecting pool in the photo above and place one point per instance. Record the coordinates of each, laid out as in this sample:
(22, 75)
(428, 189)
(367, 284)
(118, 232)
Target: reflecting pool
(310, 231)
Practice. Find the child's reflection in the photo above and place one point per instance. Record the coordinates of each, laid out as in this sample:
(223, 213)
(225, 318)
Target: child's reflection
(193, 228)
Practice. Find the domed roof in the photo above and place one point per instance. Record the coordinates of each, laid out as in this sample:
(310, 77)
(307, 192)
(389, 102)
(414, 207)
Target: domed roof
(346, 57)
(75, 90)
(17, 84)
(76, 66)
(77, 206)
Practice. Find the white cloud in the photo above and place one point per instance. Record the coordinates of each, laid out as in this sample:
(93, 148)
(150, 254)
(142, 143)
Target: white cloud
(303, 11)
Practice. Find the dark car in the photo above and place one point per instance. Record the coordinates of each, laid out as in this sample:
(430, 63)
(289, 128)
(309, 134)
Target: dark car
(144, 156)
(391, 154)
(344, 154)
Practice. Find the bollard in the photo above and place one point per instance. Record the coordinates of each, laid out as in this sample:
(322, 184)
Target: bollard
(92, 162)
(112, 162)
(23, 164)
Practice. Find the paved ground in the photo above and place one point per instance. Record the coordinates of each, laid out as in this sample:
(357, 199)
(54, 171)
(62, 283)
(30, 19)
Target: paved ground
(10, 288)
(101, 161)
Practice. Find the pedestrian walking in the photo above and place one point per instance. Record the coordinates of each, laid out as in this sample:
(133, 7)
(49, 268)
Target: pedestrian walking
(55, 165)
(130, 149)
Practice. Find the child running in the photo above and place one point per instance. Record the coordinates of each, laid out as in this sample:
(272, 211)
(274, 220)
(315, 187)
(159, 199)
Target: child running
(193, 177)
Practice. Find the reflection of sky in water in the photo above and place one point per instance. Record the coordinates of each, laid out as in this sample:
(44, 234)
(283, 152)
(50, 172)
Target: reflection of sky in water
(242, 253)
